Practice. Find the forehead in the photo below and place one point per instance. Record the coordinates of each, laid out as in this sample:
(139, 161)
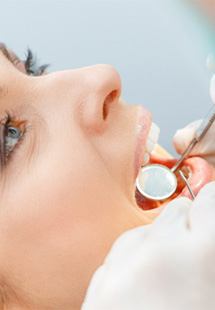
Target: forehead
(11, 79)
(5, 73)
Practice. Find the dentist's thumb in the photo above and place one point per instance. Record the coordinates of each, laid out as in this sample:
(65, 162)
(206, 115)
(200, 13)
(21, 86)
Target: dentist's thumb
(205, 148)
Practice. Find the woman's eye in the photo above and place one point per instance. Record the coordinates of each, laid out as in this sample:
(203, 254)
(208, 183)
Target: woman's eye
(12, 137)
(13, 132)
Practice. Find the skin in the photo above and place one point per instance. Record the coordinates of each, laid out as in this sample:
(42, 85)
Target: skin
(67, 191)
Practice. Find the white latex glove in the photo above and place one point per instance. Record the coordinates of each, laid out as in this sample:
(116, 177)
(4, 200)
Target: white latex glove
(167, 265)
(206, 147)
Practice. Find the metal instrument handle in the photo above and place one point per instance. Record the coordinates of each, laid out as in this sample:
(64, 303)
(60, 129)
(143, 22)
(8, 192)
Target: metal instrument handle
(199, 135)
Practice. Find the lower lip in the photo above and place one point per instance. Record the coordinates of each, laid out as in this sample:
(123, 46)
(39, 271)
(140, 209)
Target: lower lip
(143, 126)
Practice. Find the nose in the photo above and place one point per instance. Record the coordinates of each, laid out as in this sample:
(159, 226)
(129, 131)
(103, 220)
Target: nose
(102, 87)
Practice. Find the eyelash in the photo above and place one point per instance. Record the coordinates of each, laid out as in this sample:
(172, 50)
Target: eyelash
(32, 68)
(6, 123)
(31, 64)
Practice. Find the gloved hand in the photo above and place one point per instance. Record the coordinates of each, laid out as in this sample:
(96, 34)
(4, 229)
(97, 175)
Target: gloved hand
(206, 147)
(167, 265)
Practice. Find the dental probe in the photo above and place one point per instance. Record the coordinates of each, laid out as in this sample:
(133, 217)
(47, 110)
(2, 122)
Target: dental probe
(205, 125)
(187, 184)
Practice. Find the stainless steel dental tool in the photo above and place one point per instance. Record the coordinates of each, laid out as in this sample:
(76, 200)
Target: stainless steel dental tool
(158, 182)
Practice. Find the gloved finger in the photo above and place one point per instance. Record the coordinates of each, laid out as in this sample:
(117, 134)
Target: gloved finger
(174, 218)
(205, 148)
(202, 213)
(127, 242)
(95, 290)
(183, 136)
(114, 278)
(212, 88)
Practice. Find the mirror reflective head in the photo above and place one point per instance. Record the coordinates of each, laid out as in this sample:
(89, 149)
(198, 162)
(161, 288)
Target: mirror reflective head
(156, 182)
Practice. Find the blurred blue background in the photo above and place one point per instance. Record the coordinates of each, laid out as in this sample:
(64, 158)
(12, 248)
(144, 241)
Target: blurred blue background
(159, 48)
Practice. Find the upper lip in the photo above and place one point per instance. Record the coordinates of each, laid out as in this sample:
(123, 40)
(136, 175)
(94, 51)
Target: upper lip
(143, 126)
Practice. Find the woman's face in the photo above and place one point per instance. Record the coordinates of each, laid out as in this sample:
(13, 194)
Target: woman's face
(67, 187)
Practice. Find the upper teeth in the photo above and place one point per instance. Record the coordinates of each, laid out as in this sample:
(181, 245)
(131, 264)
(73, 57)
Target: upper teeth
(152, 137)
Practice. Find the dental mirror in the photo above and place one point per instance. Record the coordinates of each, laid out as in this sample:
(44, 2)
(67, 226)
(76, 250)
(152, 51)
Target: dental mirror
(158, 182)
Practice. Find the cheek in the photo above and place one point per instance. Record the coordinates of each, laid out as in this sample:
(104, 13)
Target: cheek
(59, 221)
(59, 195)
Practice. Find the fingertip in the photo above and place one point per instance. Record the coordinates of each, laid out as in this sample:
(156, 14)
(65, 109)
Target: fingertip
(205, 199)
(208, 189)
(183, 136)
(178, 141)
(181, 201)
(203, 212)
(174, 209)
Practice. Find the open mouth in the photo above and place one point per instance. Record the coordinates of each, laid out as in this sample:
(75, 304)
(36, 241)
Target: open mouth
(147, 137)
(196, 170)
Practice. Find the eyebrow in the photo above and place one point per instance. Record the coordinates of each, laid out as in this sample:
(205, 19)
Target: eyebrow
(13, 60)
(3, 48)
(29, 66)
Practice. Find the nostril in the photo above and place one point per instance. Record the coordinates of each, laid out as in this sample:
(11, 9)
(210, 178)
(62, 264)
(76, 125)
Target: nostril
(108, 101)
